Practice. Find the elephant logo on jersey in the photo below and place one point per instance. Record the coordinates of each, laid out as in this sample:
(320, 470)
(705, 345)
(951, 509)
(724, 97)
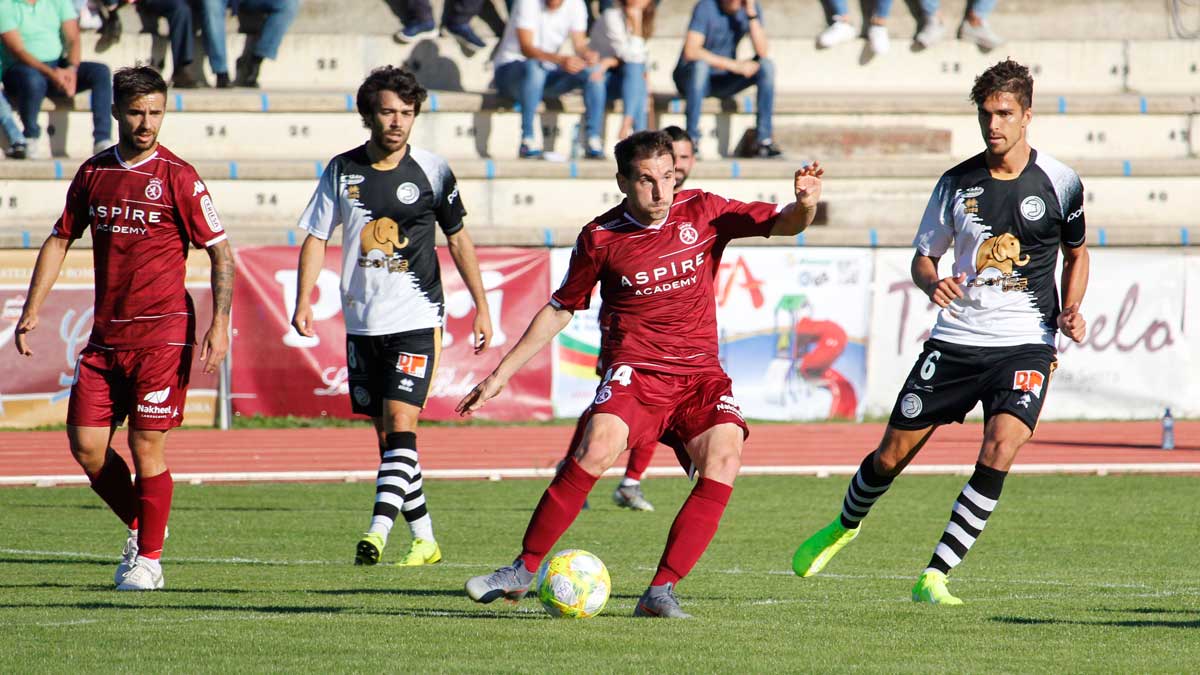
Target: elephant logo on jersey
(687, 234)
(408, 193)
(1001, 253)
(1033, 208)
(155, 189)
(383, 235)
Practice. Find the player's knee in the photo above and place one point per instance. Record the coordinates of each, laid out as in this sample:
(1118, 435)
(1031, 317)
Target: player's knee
(722, 464)
(597, 454)
(888, 462)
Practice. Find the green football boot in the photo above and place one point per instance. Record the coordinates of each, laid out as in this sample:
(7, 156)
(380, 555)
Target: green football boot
(369, 549)
(819, 549)
(931, 588)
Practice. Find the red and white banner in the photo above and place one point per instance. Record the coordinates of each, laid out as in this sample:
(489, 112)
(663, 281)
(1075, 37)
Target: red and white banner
(34, 390)
(276, 371)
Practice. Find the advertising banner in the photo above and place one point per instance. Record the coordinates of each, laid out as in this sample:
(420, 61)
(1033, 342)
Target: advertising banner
(276, 371)
(1135, 361)
(793, 328)
(34, 390)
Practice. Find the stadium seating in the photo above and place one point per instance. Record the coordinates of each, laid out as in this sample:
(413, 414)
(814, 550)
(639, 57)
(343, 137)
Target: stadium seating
(1120, 106)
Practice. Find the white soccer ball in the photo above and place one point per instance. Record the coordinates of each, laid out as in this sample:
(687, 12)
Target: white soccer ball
(573, 584)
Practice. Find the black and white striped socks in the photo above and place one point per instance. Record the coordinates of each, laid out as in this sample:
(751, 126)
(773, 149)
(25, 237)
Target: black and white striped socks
(864, 490)
(968, 518)
(397, 469)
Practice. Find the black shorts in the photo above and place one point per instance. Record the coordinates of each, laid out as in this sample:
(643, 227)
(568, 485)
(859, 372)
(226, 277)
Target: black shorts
(397, 367)
(949, 379)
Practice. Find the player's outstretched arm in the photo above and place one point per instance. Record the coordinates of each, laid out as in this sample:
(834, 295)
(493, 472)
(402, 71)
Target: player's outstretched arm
(797, 216)
(1076, 268)
(312, 257)
(45, 272)
(216, 340)
(545, 325)
(462, 250)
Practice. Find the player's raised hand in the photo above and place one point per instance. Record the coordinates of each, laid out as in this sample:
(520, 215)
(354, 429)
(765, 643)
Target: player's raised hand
(808, 185)
(948, 289)
(26, 324)
(481, 332)
(1072, 324)
(214, 347)
(302, 321)
(482, 393)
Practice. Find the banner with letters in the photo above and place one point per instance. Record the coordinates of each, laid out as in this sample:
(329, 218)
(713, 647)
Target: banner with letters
(1135, 361)
(34, 390)
(792, 330)
(276, 371)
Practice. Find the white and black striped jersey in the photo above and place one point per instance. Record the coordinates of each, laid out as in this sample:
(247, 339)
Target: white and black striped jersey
(1006, 236)
(391, 281)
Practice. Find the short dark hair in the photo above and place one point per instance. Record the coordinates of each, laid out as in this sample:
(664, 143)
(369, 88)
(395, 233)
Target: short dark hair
(678, 134)
(389, 78)
(642, 145)
(1006, 76)
(130, 83)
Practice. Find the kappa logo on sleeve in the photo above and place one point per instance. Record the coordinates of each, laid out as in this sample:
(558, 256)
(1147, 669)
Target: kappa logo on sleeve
(198, 187)
(1029, 380)
(412, 364)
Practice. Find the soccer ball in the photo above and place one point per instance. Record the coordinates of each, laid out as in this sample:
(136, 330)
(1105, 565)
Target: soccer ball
(573, 584)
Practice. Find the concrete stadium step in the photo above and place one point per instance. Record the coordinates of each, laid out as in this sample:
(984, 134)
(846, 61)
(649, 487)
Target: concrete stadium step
(874, 167)
(319, 136)
(1030, 19)
(315, 61)
(545, 203)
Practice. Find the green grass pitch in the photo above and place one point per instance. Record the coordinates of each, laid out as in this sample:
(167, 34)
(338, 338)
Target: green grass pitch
(1073, 574)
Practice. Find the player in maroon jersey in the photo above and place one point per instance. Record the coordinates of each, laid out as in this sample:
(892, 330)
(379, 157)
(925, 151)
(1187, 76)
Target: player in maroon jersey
(144, 207)
(654, 256)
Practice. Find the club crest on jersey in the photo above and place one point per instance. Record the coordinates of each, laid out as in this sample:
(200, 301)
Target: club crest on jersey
(408, 193)
(688, 234)
(1033, 208)
(412, 364)
(154, 189)
(603, 395)
(1030, 381)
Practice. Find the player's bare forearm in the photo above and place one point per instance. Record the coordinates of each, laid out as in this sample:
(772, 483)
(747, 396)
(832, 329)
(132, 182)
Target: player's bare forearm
(793, 220)
(221, 257)
(1076, 269)
(547, 323)
(462, 251)
(45, 272)
(924, 271)
(312, 258)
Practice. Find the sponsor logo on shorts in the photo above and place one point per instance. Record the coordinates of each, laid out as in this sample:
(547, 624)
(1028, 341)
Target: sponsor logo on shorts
(157, 396)
(157, 410)
(406, 385)
(210, 214)
(362, 396)
(1033, 208)
(911, 405)
(728, 405)
(1024, 400)
(412, 364)
(603, 395)
(1029, 380)
(408, 193)
(688, 234)
(154, 189)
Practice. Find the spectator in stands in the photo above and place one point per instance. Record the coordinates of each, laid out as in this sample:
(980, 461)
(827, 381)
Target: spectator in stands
(279, 16)
(456, 20)
(40, 56)
(16, 140)
(529, 67)
(973, 27)
(619, 38)
(708, 65)
(182, 34)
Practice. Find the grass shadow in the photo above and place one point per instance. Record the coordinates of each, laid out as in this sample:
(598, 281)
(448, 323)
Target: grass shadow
(1126, 623)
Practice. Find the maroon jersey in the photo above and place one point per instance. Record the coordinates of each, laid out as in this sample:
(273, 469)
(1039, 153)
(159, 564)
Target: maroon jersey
(659, 310)
(142, 218)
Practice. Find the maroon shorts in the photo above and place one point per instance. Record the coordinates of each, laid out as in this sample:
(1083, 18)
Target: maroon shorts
(146, 385)
(671, 408)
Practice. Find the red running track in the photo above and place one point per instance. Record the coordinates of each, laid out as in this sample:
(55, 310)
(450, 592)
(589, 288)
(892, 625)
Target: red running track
(476, 450)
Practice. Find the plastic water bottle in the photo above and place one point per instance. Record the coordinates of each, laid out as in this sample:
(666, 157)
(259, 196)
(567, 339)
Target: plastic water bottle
(1168, 431)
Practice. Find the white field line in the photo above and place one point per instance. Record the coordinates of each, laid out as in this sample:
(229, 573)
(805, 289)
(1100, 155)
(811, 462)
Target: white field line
(820, 471)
